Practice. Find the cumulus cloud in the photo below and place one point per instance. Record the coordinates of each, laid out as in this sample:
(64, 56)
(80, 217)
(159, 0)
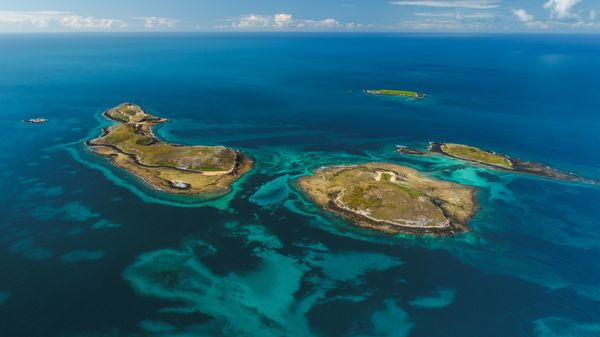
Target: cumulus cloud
(153, 22)
(522, 15)
(471, 4)
(57, 19)
(528, 19)
(284, 21)
(252, 21)
(89, 22)
(562, 15)
(561, 9)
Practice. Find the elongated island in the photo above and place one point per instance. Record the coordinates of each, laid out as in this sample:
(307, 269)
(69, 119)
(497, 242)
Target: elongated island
(391, 198)
(504, 162)
(391, 92)
(174, 168)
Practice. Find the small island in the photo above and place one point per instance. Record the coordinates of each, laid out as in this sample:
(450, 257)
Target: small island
(174, 168)
(400, 93)
(492, 159)
(409, 150)
(391, 198)
(35, 120)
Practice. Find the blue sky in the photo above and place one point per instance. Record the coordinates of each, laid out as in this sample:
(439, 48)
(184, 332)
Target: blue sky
(301, 15)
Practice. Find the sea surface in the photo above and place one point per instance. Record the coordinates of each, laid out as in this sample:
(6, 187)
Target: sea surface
(88, 250)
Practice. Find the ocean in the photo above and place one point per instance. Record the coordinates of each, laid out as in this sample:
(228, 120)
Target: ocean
(86, 249)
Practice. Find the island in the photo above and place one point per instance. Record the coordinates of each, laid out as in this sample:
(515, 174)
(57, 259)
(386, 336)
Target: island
(191, 170)
(389, 92)
(391, 198)
(503, 162)
(409, 150)
(35, 120)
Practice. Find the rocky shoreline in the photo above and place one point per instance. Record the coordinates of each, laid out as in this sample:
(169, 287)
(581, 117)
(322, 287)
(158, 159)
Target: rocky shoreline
(165, 177)
(519, 166)
(403, 201)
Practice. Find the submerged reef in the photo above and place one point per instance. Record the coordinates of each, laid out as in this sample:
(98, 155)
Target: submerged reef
(174, 168)
(391, 198)
(410, 151)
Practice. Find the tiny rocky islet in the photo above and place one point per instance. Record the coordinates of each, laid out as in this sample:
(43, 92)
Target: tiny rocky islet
(386, 197)
(37, 120)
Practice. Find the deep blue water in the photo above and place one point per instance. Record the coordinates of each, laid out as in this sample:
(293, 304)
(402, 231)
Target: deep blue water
(87, 250)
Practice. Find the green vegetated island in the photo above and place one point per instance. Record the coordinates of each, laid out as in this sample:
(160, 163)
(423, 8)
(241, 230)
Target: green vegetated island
(191, 170)
(399, 93)
(391, 198)
(504, 162)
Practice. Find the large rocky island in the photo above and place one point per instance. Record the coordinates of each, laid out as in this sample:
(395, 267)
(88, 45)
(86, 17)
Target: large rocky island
(194, 170)
(504, 162)
(391, 198)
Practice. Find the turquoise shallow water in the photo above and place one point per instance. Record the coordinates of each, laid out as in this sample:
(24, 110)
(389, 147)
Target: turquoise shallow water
(87, 250)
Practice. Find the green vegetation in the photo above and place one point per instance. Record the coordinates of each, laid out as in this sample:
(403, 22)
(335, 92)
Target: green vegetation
(131, 145)
(391, 198)
(135, 138)
(475, 154)
(388, 92)
(127, 113)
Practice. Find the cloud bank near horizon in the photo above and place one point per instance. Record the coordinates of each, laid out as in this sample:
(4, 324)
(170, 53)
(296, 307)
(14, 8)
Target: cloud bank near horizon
(388, 15)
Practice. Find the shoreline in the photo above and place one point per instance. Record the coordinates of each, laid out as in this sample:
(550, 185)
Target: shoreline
(518, 166)
(165, 178)
(453, 223)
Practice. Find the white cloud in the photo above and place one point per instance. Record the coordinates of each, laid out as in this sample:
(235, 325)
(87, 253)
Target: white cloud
(561, 9)
(80, 22)
(529, 20)
(153, 22)
(445, 24)
(36, 19)
(522, 15)
(283, 21)
(562, 16)
(472, 4)
(57, 19)
(458, 16)
(325, 23)
(252, 21)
